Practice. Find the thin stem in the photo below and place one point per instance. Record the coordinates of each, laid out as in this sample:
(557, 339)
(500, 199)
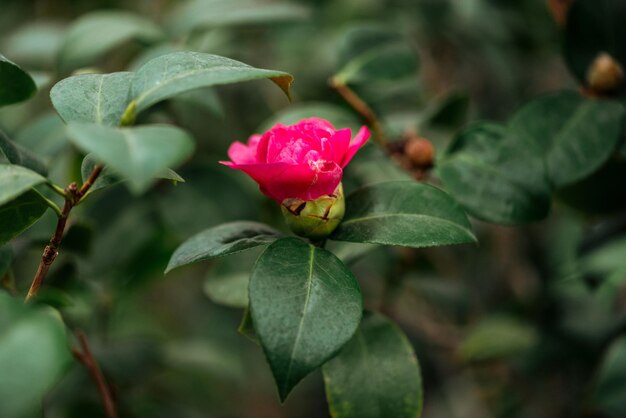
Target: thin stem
(58, 190)
(73, 197)
(86, 357)
(49, 202)
(362, 108)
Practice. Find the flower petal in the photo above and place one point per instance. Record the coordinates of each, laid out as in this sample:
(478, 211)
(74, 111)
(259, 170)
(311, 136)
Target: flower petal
(241, 153)
(361, 137)
(280, 181)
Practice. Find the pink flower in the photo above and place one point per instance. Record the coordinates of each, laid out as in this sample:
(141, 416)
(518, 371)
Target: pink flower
(303, 161)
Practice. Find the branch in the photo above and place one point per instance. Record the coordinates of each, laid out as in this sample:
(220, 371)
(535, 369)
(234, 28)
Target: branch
(362, 109)
(73, 197)
(86, 358)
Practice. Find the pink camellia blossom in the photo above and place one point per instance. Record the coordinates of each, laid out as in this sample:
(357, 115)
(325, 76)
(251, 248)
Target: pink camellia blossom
(303, 161)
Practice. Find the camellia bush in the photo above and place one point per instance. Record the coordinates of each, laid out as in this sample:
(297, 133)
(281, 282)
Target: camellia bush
(355, 209)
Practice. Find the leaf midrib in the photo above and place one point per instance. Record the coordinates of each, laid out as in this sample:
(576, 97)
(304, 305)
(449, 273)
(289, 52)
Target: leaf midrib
(300, 325)
(415, 215)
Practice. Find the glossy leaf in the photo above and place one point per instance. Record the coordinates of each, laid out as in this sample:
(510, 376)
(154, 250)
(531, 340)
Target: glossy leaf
(375, 375)
(18, 155)
(109, 178)
(92, 98)
(200, 14)
(19, 214)
(171, 74)
(495, 178)
(594, 27)
(403, 213)
(15, 180)
(573, 135)
(222, 240)
(228, 289)
(95, 34)
(305, 306)
(33, 355)
(139, 154)
(15, 84)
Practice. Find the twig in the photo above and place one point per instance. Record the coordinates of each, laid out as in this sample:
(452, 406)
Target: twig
(362, 108)
(73, 197)
(86, 358)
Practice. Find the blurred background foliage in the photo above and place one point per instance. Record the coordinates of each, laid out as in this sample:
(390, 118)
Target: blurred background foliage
(529, 323)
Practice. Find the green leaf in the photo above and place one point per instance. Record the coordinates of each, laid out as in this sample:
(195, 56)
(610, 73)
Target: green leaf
(35, 44)
(375, 375)
(572, 134)
(403, 213)
(15, 84)
(608, 391)
(305, 305)
(33, 355)
(225, 239)
(95, 34)
(171, 74)
(45, 134)
(371, 53)
(139, 154)
(108, 178)
(495, 178)
(19, 214)
(15, 180)
(246, 327)
(228, 289)
(92, 98)
(594, 27)
(18, 155)
(200, 14)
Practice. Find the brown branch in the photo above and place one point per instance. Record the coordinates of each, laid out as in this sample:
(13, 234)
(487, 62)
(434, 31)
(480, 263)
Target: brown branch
(362, 109)
(87, 359)
(73, 197)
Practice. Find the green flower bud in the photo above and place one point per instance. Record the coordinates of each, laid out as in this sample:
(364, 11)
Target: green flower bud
(315, 219)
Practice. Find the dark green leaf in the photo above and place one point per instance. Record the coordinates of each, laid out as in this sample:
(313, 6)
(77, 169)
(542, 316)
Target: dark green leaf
(18, 155)
(95, 34)
(403, 213)
(594, 27)
(139, 154)
(171, 74)
(33, 355)
(92, 98)
(199, 14)
(573, 135)
(19, 214)
(222, 240)
(495, 178)
(15, 84)
(15, 180)
(305, 305)
(375, 375)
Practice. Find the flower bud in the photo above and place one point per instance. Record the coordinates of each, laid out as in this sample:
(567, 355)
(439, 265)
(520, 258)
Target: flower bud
(420, 151)
(315, 219)
(605, 74)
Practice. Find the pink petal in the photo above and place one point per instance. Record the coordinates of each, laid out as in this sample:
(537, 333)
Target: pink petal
(339, 144)
(242, 153)
(280, 181)
(361, 137)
